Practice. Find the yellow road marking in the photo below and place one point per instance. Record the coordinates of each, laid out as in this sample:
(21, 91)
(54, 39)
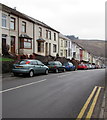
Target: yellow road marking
(86, 104)
(93, 104)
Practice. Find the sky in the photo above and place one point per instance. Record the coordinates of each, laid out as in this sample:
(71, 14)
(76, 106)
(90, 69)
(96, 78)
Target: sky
(83, 18)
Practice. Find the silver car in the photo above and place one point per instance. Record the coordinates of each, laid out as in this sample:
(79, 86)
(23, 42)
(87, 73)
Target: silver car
(30, 67)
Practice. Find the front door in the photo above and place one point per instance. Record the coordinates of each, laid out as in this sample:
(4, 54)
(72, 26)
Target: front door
(12, 44)
(3, 46)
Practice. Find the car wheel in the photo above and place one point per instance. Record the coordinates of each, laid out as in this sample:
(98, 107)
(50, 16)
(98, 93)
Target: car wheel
(31, 73)
(56, 70)
(74, 69)
(15, 74)
(46, 72)
(64, 70)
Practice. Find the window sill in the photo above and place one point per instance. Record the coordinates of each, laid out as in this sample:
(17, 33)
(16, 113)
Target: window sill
(5, 28)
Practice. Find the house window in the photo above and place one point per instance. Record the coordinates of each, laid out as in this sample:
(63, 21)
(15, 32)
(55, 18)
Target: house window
(40, 32)
(54, 36)
(54, 48)
(69, 52)
(12, 23)
(41, 47)
(25, 43)
(23, 26)
(69, 44)
(61, 53)
(61, 43)
(65, 43)
(4, 17)
(50, 35)
(47, 34)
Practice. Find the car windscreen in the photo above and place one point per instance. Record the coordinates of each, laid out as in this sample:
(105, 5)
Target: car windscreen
(51, 63)
(65, 64)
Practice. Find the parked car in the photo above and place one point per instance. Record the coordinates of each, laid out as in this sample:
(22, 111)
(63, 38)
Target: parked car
(93, 66)
(56, 66)
(69, 66)
(82, 66)
(30, 67)
(89, 66)
(97, 66)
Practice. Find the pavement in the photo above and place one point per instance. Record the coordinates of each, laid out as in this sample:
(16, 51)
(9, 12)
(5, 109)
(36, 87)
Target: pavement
(103, 113)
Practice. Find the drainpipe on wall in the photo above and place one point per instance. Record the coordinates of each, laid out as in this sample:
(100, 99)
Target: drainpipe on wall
(18, 36)
(33, 38)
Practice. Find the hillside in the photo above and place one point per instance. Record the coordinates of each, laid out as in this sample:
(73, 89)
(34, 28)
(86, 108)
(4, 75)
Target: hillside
(95, 47)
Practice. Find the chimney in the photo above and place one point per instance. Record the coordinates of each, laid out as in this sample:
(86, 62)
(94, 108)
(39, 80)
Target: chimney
(14, 8)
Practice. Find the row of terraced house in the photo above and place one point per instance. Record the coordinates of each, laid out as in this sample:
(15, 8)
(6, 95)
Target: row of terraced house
(25, 35)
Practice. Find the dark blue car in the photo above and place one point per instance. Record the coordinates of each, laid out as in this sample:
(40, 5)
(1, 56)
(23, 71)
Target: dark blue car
(69, 66)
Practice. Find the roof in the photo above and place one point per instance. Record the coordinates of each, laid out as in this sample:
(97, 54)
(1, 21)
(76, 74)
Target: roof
(24, 16)
(63, 37)
(25, 36)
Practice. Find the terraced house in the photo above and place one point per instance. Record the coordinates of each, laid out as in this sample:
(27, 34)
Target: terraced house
(25, 35)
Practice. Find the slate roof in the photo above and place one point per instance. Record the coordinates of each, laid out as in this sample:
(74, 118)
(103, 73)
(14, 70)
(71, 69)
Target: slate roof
(64, 37)
(22, 15)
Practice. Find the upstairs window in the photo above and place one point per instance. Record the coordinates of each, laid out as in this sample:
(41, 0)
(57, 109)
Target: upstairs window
(12, 23)
(50, 35)
(47, 34)
(40, 32)
(54, 36)
(23, 26)
(4, 17)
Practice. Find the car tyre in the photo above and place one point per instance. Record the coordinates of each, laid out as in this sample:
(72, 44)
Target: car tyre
(56, 70)
(31, 73)
(64, 70)
(15, 74)
(46, 72)
(74, 69)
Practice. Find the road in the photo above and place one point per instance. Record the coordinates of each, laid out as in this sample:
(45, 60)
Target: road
(61, 95)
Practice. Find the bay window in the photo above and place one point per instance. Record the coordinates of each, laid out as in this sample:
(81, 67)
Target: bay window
(25, 43)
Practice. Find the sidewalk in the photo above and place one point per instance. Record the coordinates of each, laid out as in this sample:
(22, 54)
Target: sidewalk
(6, 75)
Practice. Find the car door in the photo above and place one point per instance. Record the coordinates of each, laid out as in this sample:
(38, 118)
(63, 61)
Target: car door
(41, 67)
(35, 67)
(60, 66)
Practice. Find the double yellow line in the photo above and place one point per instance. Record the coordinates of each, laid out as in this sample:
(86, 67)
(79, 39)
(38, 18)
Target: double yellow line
(96, 90)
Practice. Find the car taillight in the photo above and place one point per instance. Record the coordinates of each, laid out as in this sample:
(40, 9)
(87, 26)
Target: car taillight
(27, 62)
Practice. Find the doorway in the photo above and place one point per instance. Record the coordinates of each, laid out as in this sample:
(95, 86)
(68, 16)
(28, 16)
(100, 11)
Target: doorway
(13, 44)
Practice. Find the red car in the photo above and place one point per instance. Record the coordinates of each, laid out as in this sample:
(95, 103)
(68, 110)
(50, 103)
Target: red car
(82, 66)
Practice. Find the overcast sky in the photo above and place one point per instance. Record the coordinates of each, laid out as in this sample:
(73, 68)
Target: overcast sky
(83, 18)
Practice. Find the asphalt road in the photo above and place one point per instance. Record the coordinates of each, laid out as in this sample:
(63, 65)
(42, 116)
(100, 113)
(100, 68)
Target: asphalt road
(61, 95)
